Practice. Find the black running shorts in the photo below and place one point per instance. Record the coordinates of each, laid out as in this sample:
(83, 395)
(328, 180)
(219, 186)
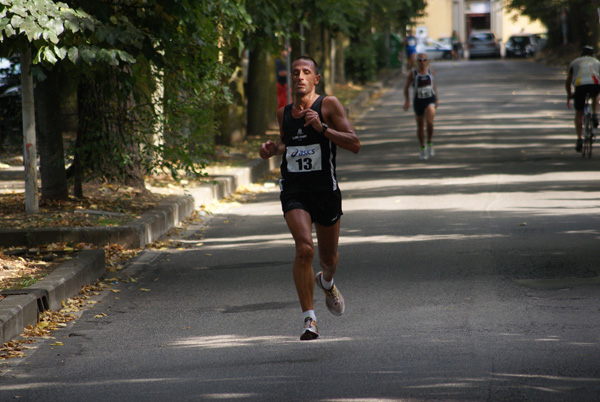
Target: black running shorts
(581, 91)
(325, 208)
(419, 105)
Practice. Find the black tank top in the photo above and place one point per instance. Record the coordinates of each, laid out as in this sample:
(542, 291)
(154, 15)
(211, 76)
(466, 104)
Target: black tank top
(308, 163)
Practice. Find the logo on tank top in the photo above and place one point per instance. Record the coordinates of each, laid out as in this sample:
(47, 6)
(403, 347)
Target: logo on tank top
(299, 135)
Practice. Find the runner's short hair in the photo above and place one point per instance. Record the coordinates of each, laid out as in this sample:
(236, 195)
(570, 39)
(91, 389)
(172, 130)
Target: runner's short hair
(312, 60)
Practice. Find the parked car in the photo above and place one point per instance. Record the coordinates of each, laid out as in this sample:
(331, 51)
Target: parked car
(522, 45)
(448, 41)
(483, 44)
(11, 123)
(542, 40)
(436, 50)
(10, 71)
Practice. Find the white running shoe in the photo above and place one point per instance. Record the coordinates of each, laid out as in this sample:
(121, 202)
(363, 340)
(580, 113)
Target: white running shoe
(430, 151)
(333, 297)
(310, 331)
(423, 156)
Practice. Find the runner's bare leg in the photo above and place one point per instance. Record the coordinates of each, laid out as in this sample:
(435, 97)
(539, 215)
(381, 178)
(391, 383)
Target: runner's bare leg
(429, 115)
(579, 123)
(421, 130)
(328, 239)
(300, 225)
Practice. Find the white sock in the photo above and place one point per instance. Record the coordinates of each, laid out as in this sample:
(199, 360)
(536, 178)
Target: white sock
(309, 313)
(325, 284)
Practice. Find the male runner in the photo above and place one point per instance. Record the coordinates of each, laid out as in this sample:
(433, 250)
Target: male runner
(310, 129)
(411, 50)
(584, 75)
(424, 104)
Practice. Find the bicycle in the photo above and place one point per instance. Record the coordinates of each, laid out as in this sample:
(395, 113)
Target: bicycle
(588, 127)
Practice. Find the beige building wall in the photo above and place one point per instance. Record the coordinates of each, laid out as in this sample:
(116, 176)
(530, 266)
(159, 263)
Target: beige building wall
(444, 16)
(438, 19)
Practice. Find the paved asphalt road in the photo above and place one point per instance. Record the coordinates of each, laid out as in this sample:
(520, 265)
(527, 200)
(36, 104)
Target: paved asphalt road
(473, 276)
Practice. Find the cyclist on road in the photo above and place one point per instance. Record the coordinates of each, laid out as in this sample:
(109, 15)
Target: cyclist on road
(310, 130)
(425, 102)
(584, 75)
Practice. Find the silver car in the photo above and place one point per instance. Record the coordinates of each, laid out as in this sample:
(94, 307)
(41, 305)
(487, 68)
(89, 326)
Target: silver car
(436, 50)
(483, 44)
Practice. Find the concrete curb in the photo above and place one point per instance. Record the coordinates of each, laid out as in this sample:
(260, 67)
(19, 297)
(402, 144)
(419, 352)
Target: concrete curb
(137, 233)
(20, 310)
(153, 224)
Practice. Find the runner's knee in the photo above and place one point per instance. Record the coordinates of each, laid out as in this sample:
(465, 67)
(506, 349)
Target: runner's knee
(305, 251)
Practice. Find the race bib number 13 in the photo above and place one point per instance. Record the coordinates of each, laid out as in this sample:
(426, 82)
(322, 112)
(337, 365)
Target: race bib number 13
(303, 158)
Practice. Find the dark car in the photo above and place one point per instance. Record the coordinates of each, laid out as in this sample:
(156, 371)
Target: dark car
(483, 44)
(11, 124)
(523, 45)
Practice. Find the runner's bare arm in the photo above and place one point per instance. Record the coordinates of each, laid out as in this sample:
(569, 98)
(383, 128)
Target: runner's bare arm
(407, 85)
(435, 91)
(568, 86)
(270, 148)
(340, 130)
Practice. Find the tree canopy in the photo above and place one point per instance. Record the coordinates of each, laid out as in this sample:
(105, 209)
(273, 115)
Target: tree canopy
(568, 21)
(151, 75)
(56, 31)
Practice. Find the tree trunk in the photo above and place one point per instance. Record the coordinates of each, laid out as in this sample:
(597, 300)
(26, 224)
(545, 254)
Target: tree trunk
(262, 103)
(341, 43)
(107, 144)
(85, 116)
(317, 47)
(232, 117)
(49, 129)
(29, 142)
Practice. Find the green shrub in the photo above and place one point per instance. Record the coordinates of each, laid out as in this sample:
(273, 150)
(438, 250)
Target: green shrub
(360, 62)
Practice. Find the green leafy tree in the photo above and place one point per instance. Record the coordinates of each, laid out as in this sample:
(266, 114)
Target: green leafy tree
(568, 21)
(168, 101)
(381, 17)
(149, 77)
(273, 23)
(323, 22)
(41, 27)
